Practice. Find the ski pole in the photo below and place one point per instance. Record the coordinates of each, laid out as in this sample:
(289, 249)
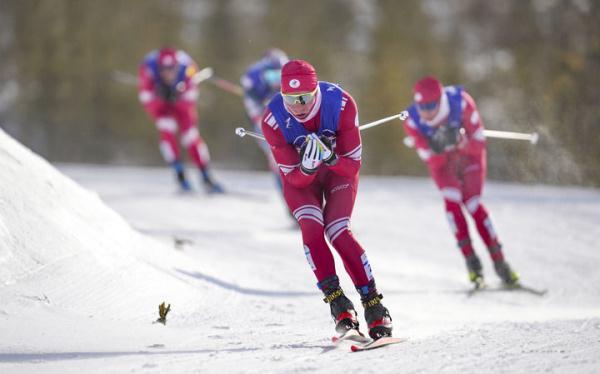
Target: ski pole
(131, 80)
(401, 116)
(202, 75)
(241, 132)
(227, 86)
(530, 137)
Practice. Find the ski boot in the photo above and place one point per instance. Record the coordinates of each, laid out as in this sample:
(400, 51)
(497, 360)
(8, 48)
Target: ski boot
(210, 186)
(181, 179)
(213, 187)
(342, 309)
(475, 271)
(508, 276)
(377, 316)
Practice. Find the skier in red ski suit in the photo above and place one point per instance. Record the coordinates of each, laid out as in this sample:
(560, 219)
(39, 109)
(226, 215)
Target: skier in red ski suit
(447, 131)
(168, 93)
(312, 128)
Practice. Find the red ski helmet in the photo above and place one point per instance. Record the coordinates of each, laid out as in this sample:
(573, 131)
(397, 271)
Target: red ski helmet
(298, 76)
(427, 90)
(167, 57)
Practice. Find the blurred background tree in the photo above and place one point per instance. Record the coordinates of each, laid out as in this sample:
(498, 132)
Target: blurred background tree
(530, 65)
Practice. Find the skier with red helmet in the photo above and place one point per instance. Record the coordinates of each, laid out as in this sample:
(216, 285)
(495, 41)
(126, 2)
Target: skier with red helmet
(168, 93)
(311, 127)
(447, 131)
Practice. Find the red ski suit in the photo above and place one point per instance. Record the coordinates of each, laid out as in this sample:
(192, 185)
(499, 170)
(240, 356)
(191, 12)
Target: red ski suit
(174, 116)
(460, 173)
(322, 202)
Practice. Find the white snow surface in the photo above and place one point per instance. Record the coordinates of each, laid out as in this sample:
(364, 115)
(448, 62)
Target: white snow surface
(83, 269)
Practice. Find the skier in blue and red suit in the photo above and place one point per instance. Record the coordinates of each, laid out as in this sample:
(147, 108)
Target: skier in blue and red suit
(312, 128)
(168, 92)
(261, 81)
(447, 131)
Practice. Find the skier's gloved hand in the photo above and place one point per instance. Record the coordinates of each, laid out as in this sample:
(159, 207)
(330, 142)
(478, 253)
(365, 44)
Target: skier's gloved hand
(311, 155)
(167, 93)
(436, 141)
(444, 139)
(329, 156)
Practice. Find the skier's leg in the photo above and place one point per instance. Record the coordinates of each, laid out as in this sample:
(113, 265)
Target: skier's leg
(167, 128)
(473, 179)
(305, 205)
(190, 138)
(340, 194)
(450, 187)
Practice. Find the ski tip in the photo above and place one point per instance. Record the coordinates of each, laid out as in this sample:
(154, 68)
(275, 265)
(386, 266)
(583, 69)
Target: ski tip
(355, 348)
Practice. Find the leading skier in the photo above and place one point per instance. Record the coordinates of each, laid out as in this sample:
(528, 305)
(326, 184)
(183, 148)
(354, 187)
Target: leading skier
(312, 128)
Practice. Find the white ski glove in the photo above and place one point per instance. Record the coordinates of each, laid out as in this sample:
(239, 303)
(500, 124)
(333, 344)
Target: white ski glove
(312, 155)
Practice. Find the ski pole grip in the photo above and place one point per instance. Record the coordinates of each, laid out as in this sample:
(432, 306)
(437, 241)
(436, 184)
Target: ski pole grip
(240, 131)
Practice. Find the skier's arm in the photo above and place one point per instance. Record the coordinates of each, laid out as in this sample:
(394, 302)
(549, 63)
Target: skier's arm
(254, 109)
(474, 143)
(348, 142)
(187, 90)
(146, 91)
(252, 103)
(286, 156)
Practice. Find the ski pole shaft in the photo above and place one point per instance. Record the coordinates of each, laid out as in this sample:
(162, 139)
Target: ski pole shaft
(401, 116)
(202, 75)
(241, 132)
(530, 137)
(227, 86)
(131, 80)
(511, 135)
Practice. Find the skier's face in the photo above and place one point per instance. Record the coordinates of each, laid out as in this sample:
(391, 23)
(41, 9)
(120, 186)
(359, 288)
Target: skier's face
(168, 74)
(428, 111)
(300, 105)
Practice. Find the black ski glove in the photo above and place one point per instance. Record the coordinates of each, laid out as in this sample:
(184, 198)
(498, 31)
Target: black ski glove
(167, 93)
(333, 158)
(445, 137)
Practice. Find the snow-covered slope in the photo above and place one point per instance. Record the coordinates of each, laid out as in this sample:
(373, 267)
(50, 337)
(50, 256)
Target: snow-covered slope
(80, 284)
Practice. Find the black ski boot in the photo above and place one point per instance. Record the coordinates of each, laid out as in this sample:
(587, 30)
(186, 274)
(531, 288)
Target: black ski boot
(210, 186)
(508, 276)
(377, 316)
(183, 183)
(342, 309)
(475, 270)
(180, 175)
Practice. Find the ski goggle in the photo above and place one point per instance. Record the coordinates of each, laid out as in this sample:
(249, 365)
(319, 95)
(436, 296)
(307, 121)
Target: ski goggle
(303, 98)
(428, 106)
(273, 77)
